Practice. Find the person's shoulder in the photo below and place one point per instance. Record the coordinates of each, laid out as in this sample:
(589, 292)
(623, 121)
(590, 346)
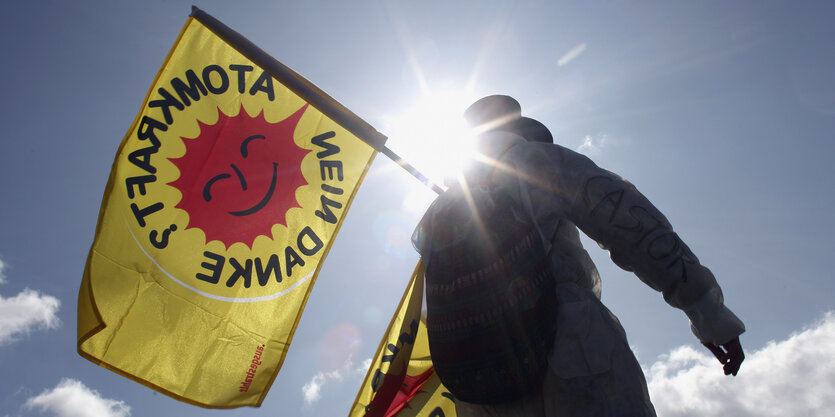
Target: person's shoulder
(541, 150)
(538, 157)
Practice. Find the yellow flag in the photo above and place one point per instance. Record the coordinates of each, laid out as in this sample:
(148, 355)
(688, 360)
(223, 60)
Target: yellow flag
(224, 198)
(401, 381)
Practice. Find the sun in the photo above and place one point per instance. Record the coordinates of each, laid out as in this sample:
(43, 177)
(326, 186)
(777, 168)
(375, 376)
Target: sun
(239, 177)
(431, 134)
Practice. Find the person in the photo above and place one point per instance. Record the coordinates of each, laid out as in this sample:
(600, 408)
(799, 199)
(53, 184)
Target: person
(591, 369)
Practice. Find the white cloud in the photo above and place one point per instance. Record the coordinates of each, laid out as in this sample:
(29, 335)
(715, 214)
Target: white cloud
(71, 398)
(793, 377)
(593, 144)
(312, 390)
(570, 55)
(364, 367)
(26, 311)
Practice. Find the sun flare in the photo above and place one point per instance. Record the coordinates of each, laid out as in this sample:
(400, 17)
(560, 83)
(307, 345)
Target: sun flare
(432, 136)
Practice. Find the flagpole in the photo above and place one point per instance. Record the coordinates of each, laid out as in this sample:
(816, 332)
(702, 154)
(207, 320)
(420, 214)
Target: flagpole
(309, 92)
(412, 170)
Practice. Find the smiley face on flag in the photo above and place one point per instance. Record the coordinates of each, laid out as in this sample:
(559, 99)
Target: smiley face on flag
(239, 176)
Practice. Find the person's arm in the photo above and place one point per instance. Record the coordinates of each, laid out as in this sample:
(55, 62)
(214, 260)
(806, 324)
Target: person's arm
(614, 213)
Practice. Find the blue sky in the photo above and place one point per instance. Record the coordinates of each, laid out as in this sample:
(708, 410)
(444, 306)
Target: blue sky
(722, 113)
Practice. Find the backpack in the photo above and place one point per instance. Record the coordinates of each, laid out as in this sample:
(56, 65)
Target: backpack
(491, 306)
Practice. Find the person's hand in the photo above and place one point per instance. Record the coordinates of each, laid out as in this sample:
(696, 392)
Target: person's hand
(730, 355)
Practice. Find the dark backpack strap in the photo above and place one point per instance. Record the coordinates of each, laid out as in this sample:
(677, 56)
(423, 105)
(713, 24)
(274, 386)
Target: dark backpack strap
(491, 305)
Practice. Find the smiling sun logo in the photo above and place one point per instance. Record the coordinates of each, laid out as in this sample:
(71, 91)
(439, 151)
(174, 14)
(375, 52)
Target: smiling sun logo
(239, 176)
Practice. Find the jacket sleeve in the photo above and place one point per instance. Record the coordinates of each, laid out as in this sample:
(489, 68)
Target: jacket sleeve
(639, 238)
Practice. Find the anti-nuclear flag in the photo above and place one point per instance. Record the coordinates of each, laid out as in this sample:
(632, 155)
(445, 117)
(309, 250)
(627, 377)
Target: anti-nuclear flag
(224, 198)
(401, 381)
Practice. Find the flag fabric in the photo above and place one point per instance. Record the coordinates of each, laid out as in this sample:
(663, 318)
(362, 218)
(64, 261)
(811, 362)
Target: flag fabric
(401, 381)
(225, 196)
